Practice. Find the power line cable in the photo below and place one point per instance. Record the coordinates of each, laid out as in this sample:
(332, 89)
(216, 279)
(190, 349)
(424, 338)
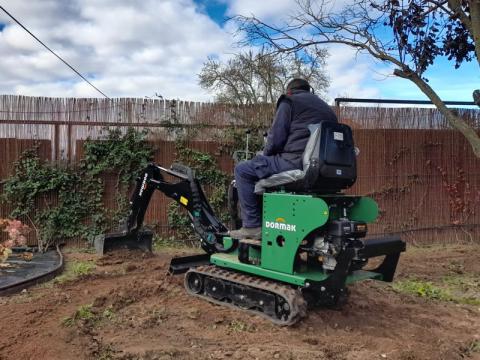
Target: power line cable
(53, 52)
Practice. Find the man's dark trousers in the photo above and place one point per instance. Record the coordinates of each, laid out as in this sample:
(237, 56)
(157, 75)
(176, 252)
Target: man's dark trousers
(247, 173)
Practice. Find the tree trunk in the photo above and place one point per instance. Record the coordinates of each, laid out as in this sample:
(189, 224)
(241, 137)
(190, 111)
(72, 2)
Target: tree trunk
(475, 20)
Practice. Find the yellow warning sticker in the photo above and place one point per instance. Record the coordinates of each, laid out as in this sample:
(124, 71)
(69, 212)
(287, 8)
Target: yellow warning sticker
(183, 200)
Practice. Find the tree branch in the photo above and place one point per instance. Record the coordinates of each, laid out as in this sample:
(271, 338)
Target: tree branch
(415, 36)
(456, 121)
(456, 7)
(475, 24)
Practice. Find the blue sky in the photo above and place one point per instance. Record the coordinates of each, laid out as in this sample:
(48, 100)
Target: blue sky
(217, 10)
(451, 84)
(142, 47)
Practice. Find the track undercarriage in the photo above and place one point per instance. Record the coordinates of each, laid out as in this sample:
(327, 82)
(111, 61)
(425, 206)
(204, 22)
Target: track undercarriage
(280, 303)
(284, 300)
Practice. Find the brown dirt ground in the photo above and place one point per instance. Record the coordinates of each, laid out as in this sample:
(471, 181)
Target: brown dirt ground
(140, 313)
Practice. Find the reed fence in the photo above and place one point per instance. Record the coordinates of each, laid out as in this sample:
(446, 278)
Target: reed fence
(421, 172)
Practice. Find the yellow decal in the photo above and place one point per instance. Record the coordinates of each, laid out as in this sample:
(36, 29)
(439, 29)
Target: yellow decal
(280, 220)
(183, 200)
(325, 213)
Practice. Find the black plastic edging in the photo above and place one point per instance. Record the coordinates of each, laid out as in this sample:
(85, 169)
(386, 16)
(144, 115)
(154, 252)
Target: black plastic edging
(19, 286)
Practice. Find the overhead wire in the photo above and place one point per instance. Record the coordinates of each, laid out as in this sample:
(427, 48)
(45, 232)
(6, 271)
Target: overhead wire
(53, 52)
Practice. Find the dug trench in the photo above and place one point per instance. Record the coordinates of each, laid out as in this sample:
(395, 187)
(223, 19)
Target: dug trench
(125, 306)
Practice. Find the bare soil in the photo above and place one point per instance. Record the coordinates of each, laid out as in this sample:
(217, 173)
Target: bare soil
(136, 311)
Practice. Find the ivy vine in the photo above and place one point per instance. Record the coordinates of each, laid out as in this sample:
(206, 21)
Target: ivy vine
(64, 202)
(120, 155)
(211, 177)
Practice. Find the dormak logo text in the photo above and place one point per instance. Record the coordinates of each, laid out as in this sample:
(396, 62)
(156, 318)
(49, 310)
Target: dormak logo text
(280, 226)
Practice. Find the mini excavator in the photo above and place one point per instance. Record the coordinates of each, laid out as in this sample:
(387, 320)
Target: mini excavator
(313, 236)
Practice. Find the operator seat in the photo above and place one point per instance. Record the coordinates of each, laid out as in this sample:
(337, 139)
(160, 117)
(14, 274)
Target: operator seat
(329, 163)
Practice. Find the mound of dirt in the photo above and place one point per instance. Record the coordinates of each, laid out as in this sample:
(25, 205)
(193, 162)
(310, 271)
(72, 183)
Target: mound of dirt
(129, 308)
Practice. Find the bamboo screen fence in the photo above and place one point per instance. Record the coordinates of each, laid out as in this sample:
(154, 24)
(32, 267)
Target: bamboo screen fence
(422, 173)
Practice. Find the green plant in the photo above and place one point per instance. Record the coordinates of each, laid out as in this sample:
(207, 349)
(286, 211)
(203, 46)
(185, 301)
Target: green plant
(55, 189)
(473, 347)
(108, 313)
(205, 165)
(421, 288)
(80, 268)
(105, 353)
(62, 202)
(122, 155)
(86, 313)
(215, 181)
(75, 269)
(83, 313)
(16, 232)
(234, 138)
(460, 289)
(240, 326)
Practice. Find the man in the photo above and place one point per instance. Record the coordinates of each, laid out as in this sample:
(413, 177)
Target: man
(283, 151)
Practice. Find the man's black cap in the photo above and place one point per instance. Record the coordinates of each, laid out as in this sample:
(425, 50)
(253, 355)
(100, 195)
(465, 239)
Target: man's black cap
(298, 84)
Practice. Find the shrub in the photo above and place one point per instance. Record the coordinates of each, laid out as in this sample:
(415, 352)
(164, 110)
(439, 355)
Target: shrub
(16, 232)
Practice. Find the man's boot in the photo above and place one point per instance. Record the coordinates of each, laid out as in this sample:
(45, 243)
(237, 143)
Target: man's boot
(247, 233)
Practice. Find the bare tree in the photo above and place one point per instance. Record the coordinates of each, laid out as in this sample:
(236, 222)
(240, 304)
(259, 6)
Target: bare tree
(258, 77)
(409, 34)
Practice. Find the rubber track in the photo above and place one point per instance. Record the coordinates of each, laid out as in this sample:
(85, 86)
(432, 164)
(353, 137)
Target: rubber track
(294, 298)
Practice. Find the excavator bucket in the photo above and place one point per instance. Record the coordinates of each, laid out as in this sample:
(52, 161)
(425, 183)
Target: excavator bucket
(135, 240)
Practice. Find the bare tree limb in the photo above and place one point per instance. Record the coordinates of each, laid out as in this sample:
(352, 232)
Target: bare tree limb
(421, 31)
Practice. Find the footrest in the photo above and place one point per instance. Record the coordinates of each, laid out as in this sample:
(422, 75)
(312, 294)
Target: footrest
(253, 242)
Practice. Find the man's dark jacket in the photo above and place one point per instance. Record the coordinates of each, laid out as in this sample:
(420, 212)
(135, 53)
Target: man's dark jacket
(289, 133)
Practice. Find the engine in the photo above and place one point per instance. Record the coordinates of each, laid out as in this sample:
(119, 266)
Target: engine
(339, 234)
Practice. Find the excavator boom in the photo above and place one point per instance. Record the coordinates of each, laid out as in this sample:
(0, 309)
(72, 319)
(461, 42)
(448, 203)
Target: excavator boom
(186, 191)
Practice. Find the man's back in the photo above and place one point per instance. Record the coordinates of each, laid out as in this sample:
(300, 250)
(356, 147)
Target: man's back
(286, 143)
(294, 113)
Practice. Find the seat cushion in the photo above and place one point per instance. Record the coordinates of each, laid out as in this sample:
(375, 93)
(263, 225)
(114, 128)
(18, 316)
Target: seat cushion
(283, 178)
(291, 176)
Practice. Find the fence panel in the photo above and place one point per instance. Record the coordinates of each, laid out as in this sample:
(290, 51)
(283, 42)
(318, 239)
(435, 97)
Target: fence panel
(422, 173)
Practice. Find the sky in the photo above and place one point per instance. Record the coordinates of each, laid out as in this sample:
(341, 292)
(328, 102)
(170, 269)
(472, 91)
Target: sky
(144, 48)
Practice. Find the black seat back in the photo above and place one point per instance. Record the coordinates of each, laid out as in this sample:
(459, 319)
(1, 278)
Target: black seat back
(332, 163)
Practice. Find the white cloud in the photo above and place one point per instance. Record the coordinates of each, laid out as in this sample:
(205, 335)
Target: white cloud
(348, 73)
(265, 10)
(137, 48)
(127, 48)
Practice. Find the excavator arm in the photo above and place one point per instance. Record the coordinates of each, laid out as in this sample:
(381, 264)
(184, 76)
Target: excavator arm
(186, 190)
